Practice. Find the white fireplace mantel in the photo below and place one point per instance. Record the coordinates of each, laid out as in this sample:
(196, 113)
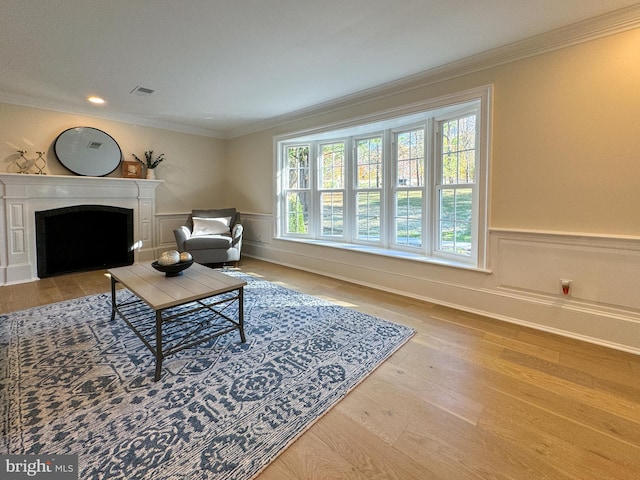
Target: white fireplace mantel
(23, 195)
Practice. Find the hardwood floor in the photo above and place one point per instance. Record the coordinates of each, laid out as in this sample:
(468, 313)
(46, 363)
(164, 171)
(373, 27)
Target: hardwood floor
(466, 398)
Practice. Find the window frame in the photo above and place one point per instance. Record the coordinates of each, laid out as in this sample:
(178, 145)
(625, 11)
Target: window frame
(396, 187)
(388, 124)
(298, 189)
(355, 190)
(438, 187)
(322, 190)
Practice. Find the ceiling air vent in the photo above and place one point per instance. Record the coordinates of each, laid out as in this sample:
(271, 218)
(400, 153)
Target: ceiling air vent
(142, 91)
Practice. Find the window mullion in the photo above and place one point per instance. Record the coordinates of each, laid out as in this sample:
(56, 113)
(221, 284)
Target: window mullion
(330, 168)
(315, 162)
(349, 190)
(431, 173)
(409, 168)
(370, 187)
(389, 190)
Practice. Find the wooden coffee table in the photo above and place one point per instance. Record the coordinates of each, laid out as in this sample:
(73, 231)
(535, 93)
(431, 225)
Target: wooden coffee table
(186, 310)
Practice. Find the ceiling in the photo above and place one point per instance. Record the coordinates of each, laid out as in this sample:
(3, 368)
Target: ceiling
(220, 66)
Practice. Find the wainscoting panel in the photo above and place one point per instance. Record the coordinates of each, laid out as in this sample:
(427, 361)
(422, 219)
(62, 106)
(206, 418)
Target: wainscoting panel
(17, 227)
(601, 270)
(167, 223)
(258, 228)
(146, 223)
(523, 284)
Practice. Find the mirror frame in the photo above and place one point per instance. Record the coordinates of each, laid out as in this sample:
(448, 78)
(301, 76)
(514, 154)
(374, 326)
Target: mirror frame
(88, 151)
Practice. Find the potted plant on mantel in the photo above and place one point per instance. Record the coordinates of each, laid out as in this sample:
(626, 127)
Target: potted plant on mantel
(150, 163)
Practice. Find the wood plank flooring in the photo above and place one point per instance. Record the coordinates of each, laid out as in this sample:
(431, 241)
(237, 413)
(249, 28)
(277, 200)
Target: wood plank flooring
(466, 398)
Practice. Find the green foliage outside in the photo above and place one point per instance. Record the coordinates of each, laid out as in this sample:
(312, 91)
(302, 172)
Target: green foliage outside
(297, 216)
(369, 162)
(455, 220)
(409, 207)
(332, 214)
(368, 216)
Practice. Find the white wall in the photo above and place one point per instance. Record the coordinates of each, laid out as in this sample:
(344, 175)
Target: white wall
(563, 195)
(192, 172)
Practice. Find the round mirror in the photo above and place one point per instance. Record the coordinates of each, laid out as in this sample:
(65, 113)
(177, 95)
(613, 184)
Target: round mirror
(88, 151)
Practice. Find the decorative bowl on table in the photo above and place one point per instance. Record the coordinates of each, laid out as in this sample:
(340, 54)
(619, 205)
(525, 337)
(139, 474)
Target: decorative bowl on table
(174, 269)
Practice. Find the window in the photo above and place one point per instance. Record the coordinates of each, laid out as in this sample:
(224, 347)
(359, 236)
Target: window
(331, 189)
(409, 200)
(368, 191)
(455, 186)
(298, 196)
(413, 185)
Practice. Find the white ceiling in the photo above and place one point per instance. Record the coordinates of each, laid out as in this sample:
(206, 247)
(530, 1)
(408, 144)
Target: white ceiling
(218, 66)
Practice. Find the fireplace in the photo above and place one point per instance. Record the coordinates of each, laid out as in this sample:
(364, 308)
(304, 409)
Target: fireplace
(21, 196)
(83, 237)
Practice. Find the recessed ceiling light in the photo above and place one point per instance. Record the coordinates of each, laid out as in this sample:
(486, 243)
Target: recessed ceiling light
(96, 100)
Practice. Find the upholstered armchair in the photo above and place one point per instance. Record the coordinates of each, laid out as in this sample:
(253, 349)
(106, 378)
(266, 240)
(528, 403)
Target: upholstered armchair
(211, 236)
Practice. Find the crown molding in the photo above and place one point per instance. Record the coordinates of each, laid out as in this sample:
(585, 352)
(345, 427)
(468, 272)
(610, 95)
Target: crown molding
(588, 30)
(591, 29)
(26, 101)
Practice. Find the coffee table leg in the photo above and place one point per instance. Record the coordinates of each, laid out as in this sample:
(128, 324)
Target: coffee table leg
(113, 298)
(241, 314)
(158, 345)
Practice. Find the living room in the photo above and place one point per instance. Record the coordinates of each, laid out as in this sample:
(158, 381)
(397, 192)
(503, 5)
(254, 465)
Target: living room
(523, 364)
(553, 214)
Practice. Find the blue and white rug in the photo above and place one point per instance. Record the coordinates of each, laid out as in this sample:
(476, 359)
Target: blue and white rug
(73, 382)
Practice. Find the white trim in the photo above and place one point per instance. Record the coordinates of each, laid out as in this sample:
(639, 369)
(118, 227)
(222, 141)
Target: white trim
(396, 253)
(54, 106)
(23, 195)
(619, 21)
(476, 100)
(522, 286)
(386, 116)
(601, 26)
(586, 235)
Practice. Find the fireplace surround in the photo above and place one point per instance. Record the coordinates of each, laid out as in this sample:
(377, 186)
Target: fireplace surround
(23, 195)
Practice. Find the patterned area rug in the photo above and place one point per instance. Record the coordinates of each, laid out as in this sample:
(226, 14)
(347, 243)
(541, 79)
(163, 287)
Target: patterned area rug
(73, 382)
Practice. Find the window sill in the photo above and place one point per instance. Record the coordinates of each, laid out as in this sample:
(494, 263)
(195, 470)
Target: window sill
(399, 254)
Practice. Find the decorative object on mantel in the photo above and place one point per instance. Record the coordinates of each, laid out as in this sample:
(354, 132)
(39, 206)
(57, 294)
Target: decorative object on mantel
(88, 151)
(40, 163)
(150, 163)
(24, 164)
(131, 169)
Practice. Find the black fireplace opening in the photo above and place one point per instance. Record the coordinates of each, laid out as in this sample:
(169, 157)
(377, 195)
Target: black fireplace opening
(82, 238)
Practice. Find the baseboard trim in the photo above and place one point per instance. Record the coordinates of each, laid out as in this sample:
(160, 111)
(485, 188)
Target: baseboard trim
(561, 313)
